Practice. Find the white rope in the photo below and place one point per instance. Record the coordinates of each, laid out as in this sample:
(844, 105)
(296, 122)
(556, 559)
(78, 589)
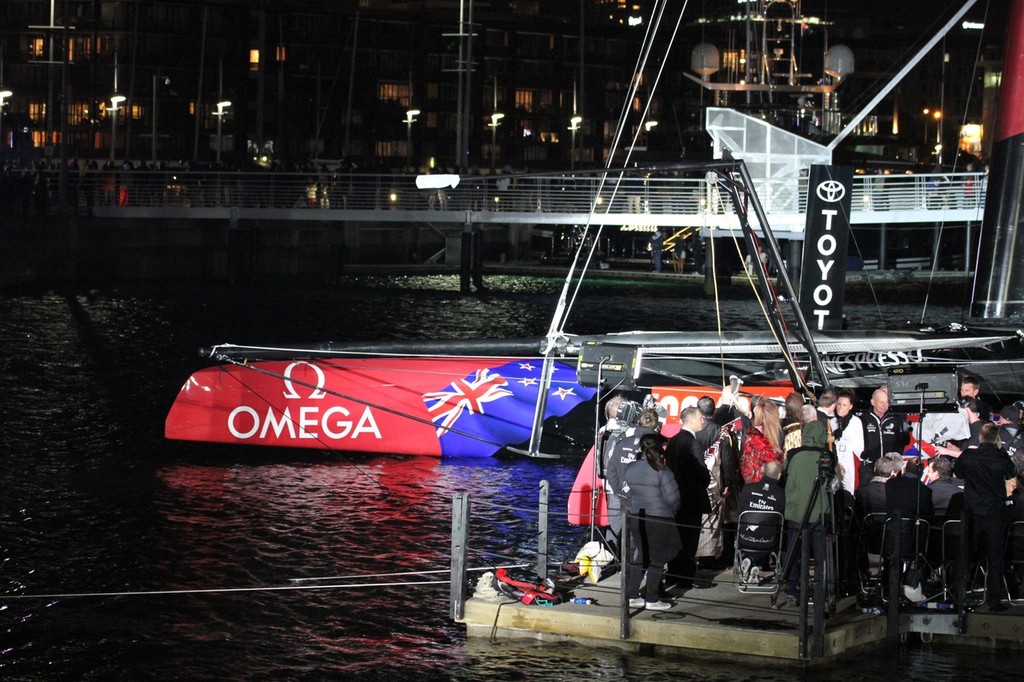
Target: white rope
(220, 590)
(269, 588)
(383, 575)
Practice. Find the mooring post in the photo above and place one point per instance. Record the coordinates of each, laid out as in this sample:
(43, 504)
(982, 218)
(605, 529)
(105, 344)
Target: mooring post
(624, 578)
(542, 531)
(895, 575)
(460, 546)
(821, 575)
(805, 567)
(960, 581)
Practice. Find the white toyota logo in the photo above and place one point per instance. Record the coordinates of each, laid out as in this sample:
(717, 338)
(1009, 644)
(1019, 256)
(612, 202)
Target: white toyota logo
(831, 191)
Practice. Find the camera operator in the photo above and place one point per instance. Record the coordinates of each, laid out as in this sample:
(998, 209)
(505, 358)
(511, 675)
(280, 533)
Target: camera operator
(616, 451)
(1011, 435)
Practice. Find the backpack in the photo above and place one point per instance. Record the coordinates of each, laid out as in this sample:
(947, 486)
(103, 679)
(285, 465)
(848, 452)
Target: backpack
(526, 591)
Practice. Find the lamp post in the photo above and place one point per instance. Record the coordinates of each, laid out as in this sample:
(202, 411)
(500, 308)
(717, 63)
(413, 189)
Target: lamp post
(574, 126)
(937, 115)
(410, 118)
(153, 142)
(221, 106)
(114, 101)
(495, 122)
(648, 127)
(4, 94)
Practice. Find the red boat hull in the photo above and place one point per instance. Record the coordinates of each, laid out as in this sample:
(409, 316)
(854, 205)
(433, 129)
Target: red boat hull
(413, 406)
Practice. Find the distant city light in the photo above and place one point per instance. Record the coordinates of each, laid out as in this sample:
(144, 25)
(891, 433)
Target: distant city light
(972, 25)
(635, 21)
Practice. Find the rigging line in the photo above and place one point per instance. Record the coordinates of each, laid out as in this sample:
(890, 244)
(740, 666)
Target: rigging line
(762, 274)
(718, 308)
(339, 394)
(783, 321)
(910, 49)
(321, 116)
(222, 590)
(560, 319)
(956, 159)
(757, 294)
(396, 370)
(494, 505)
(634, 87)
(401, 573)
(566, 303)
(564, 307)
(214, 354)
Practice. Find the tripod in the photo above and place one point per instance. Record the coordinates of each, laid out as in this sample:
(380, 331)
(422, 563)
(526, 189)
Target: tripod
(824, 571)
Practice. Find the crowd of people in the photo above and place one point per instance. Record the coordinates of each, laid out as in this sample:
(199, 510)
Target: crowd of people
(828, 471)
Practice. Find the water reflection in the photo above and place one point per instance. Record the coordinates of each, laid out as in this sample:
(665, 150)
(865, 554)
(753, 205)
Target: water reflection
(96, 501)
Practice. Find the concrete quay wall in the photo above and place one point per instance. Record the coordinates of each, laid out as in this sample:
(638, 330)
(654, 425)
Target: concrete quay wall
(90, 248)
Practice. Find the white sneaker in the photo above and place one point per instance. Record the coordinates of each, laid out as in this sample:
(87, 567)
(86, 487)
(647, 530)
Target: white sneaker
(636, 603)
(745, 570)
(754, 578)
(657, 605)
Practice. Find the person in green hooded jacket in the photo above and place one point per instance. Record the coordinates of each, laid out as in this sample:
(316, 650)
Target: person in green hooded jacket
(801, 479)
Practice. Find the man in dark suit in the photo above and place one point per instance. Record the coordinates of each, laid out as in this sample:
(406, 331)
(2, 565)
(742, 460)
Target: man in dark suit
(986, 471)
(693, 478)
(943, 486)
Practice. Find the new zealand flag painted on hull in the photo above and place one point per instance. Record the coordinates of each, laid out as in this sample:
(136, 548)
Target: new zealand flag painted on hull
(494, 406)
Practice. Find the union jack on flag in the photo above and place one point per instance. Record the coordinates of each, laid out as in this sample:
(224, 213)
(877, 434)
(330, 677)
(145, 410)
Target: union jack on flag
(469, 394)
(493, 406)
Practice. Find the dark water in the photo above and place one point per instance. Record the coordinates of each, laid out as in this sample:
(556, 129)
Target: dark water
(124, 556)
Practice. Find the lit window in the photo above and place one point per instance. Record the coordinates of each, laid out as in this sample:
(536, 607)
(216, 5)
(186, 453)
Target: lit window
(524, 100)
(394, 92)
(37, 111)
(254, 60)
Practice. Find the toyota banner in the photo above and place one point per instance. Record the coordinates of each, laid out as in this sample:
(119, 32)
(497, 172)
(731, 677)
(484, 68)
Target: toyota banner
(823, 275)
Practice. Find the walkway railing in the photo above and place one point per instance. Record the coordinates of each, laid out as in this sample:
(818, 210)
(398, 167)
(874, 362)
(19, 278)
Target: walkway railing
(669, 199)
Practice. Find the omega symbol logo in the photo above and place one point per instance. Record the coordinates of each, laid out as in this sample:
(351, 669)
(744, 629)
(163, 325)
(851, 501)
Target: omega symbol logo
(831, 191)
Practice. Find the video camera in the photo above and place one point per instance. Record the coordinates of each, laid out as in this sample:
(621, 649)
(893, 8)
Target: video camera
(826, 466)
(628, 413)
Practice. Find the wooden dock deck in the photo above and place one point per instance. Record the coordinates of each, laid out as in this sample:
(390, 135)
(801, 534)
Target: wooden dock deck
(721, 621)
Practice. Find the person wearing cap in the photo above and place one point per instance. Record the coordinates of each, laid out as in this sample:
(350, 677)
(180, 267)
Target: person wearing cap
(1011, 435)
(623, 452)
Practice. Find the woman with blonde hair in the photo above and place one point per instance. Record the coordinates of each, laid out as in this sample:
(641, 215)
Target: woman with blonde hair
(762, 442)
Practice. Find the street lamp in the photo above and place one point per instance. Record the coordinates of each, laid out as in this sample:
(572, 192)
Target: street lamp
(221, 106)
(4, 94)
(114, 101)
(574, 126)
(648, 127)
(410, 118)
(493, 125)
